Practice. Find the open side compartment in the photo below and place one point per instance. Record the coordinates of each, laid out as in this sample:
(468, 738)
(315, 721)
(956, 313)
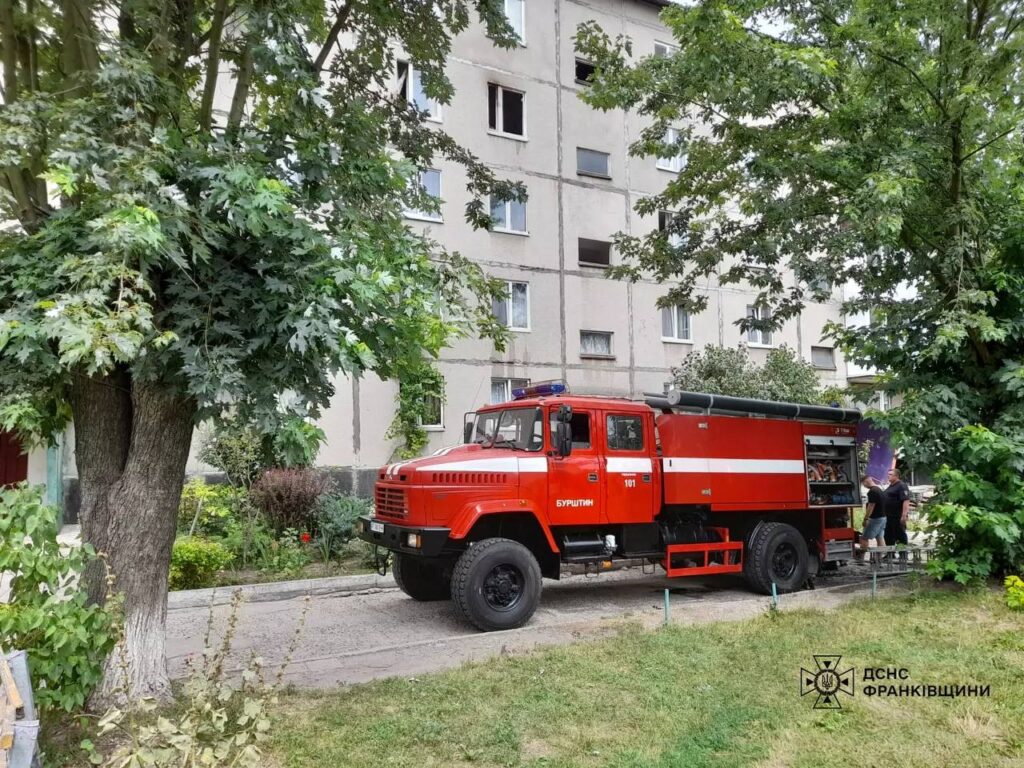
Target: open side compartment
(831, 471)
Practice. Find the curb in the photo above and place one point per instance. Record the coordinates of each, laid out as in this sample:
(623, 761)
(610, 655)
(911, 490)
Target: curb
(279, 590)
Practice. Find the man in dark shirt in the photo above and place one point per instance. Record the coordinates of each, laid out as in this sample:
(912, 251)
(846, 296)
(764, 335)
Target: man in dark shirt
(873, 527)
(897, 507)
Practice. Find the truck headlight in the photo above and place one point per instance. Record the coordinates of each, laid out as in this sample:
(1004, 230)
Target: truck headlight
(413, 540)
(360, 526)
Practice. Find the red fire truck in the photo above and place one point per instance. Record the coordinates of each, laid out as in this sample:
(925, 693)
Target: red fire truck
(699, 484)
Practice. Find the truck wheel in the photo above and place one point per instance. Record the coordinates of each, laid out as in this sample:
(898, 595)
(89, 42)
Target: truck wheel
(497, 584)
(421, 578)
(776, 553)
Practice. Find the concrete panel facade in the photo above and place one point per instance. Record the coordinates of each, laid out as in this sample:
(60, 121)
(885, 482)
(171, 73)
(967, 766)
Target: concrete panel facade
(565, 297)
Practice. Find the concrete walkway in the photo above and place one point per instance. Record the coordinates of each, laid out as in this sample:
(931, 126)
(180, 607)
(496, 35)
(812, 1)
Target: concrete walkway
(373, 630)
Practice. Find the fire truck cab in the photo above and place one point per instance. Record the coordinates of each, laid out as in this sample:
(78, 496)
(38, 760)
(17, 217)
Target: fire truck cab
(695, 483)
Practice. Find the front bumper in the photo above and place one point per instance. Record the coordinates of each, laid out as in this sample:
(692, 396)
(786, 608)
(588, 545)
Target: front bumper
(395, 537)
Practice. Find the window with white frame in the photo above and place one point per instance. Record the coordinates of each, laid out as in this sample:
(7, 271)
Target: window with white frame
(430, 183)
(508, 215)
(501, 389)
(515, 14)
(596, 344)
(669, 222)
(675, 324)
(506, 110)
(410, 86)
(674, 162)
(590, 162)
(513, 310)
(823, 357)
(758, 337)
(664, 49)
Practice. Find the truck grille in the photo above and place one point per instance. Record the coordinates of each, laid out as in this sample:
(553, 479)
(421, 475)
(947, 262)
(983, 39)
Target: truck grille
(390, 502)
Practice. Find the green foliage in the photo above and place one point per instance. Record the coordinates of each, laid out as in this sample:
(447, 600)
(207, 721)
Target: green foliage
(241, 258)
(978, 510)
(287, 497)
(335, 519)
(420, 385)
(1014, 592)
(48, 616)
(297, 443)
(195, 562)
(867, 144)
(286, 555)
(218, 723)
(248, 539)
(236, 450)
(209, 509)
(723, 371)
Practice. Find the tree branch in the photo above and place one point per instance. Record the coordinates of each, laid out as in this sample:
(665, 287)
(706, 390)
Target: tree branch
(990, 142)
(242, 85)
(9, 50)
(332, 36)
(212, 64)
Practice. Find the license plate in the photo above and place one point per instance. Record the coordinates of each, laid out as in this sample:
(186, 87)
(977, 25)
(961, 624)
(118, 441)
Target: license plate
(376, 527)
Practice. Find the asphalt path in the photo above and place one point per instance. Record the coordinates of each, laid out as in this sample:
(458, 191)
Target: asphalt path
(355, 636)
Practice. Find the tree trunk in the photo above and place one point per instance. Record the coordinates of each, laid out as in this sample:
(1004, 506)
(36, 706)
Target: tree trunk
(131, 445)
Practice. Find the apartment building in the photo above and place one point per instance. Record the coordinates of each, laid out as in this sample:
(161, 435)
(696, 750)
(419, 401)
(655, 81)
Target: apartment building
(519, 111)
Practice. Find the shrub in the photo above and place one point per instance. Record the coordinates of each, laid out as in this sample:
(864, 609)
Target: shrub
(287, 497)
(48, 615)
(248, 539)
(208, 509)
(334, 520)
(243, 453)
(978, 510)
(237, 451)
(1015, 592)
(195, 561)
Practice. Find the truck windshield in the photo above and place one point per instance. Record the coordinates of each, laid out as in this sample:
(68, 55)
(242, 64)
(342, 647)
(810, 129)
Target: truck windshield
(517, 428)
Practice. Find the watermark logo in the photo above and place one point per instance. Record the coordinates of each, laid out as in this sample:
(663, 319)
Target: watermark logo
(827, 682)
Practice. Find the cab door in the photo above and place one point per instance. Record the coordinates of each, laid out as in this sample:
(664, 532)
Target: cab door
(576, 482)
(629, 470)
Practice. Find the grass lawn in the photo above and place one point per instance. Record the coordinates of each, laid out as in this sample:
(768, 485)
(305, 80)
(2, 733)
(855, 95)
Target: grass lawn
(712, 695)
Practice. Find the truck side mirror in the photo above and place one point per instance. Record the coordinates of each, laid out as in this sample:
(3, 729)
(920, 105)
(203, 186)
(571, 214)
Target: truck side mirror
(563, 431)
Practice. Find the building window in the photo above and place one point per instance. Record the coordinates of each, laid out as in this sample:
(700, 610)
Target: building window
(821, 285)
(754, 336)
(675, 162)
(430, 184)
(501, 389)
(515, 14)
(508, 215)
(595, 344)
(675, 324)
(668, 222)
(590, 162)
(506, 110)
(432, 417)
(664, 49)
(410, 85)
(584, 71)
(513, 310)
(625, 433)
(823, 357)
(596, 253)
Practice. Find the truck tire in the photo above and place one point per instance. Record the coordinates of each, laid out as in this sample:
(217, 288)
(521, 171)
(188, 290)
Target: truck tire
(421, 578)
(497, 584)
(776, 553)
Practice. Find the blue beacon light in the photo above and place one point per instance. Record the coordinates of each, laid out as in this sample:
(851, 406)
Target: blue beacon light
(540, 389)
